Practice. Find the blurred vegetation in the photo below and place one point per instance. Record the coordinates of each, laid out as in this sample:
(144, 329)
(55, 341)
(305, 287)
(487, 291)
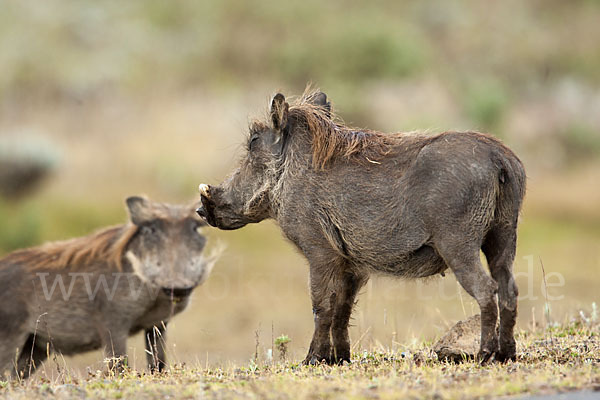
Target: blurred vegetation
(486, 103)
(490, 57)
(20, 227)
(153, 97)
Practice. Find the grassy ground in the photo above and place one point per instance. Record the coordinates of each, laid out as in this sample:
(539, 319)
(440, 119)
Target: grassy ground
(559, 359)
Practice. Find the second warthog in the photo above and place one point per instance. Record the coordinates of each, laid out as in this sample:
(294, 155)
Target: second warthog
(96, 291)
(356, 202)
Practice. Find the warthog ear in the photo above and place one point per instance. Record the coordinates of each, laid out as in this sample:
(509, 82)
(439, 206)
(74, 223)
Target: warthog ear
(279, 112)
(320, 99)
(139, 209)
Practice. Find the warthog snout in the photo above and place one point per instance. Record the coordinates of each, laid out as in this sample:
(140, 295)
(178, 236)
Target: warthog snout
(178, 292)
(221, 208)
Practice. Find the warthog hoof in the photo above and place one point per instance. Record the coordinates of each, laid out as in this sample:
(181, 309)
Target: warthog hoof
(488, 351)
(343, 360)
(340, 357)
(484, 357)
(316, 360)
(500, 357)
(508, 350)
(505, 355)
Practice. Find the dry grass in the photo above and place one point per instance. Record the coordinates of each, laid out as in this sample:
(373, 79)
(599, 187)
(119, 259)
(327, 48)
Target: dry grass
(562, 358)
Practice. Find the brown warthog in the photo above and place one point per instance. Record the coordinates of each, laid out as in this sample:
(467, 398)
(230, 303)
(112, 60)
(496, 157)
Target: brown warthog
(95, 291)
(357, 201)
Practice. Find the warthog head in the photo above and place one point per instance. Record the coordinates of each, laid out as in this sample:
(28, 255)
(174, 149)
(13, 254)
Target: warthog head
(246, 196)
(166, 251)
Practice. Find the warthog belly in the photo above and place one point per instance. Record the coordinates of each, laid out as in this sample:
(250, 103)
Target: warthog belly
(423, 262)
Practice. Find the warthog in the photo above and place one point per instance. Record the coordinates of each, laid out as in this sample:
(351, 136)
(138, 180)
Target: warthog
(95, 291)
(357, 202)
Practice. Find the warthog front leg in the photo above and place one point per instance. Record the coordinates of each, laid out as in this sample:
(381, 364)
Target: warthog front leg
(333, 289)
(115, 348)
(10, 346)
(156, 348)
(346, 291)
(13, 334)
(320, 345)
(31, 357)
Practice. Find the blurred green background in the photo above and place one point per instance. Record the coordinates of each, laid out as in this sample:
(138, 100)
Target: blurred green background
(101, 100)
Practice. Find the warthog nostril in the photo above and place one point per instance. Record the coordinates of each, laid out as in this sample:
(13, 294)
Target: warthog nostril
(177, 292)
(201, 212)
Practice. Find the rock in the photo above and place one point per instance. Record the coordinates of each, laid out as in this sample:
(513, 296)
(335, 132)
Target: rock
(25, 162)
(461, 341)
(20, 177)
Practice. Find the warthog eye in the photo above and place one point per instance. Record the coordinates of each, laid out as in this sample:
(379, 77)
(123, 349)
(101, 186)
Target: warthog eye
(148, 230)
(253, 140)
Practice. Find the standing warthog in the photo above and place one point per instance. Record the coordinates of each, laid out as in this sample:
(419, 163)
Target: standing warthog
(95, 291)
(356, 202)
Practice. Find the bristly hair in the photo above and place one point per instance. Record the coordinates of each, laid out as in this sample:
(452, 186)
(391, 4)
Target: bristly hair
(332, 139)
(107, 245)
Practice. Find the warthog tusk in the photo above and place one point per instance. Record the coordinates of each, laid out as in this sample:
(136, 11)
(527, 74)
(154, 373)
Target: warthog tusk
(203, 189)
(136, 264)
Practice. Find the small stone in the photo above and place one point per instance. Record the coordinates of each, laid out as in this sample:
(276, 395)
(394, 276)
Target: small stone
(461, 341)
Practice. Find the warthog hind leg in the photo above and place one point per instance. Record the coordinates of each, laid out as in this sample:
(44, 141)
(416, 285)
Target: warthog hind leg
(499, 248)
(467, 268)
